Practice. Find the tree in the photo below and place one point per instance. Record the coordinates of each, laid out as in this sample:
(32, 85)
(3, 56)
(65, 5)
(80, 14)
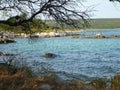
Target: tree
(63, 11)
(115, 0)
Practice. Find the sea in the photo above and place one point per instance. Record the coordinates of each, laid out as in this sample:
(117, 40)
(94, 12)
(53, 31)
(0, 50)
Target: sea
(76, 58)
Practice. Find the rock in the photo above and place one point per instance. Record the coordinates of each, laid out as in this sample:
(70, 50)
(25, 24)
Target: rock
(96, 37)
(99, 35)
(7, 41)
(116, 36)
(49, 55)
(4, 54)
(45, 87)
(1, 54)
(75, 35)
(9, 54)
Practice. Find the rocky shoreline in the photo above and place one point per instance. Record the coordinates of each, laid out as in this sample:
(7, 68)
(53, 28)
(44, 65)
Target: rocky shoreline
(102, 36)
(9, 36)
(38, 34)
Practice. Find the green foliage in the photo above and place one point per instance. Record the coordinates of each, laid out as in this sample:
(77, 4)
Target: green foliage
(38, 26)
(41, 26)
(94, 24)
(104, 23)
(32, 27)
(5, 27)
(23, 16)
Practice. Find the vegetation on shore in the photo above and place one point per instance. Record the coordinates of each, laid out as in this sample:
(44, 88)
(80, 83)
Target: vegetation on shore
(14, 76)
(36, 26)
(102, 23)
(48, 26)
(105, 23)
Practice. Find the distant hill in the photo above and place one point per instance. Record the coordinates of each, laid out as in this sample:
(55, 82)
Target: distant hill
(105, 23)
(94, 23)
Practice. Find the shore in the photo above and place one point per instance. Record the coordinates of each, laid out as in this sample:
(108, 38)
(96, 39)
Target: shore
(38, 34)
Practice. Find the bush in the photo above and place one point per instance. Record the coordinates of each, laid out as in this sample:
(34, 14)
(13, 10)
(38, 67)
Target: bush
(16, 75)
(99, 83)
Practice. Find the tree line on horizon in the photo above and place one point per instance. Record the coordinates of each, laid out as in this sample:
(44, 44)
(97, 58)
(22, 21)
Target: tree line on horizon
(102, 23)
(49, 25)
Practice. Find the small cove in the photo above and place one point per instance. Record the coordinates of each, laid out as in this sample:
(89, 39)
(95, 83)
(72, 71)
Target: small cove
(75, 57)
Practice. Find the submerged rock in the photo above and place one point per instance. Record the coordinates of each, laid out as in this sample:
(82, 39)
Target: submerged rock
(9, 54)
(100, 36)
(7, 41)
(49, 55)
(5, 54)
(75, 36)
(1, 53)
(116, 36)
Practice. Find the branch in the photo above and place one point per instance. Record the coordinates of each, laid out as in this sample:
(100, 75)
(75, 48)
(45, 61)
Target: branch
(60, 10)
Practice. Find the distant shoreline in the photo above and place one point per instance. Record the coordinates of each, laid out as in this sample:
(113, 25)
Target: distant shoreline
(69, 31)
(58, 33)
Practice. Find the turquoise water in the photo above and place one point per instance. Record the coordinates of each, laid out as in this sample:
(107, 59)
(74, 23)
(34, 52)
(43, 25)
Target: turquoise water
(74, 57)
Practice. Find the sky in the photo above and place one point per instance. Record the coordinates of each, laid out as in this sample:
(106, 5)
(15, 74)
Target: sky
(103, 8)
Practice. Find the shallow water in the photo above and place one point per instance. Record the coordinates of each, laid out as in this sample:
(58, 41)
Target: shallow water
(75, 57)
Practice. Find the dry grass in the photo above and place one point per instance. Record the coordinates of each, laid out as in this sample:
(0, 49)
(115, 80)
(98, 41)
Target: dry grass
(21, 80)
(11, 82)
